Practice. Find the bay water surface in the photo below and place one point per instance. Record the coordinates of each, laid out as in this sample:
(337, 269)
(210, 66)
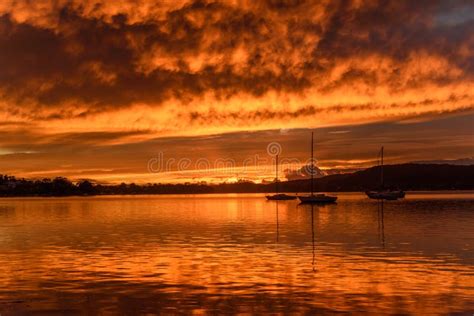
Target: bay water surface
(237, 253)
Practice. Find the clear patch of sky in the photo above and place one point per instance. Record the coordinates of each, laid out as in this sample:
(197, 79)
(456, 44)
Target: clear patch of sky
(460, 15)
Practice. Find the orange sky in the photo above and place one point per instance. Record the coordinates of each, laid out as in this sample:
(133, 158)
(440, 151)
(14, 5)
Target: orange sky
(97, 88)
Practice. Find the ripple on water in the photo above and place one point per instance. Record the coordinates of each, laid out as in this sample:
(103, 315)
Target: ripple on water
(237, 254)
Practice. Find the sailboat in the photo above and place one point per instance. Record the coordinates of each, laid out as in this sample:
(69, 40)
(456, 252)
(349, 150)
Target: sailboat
(319, 197)
(279, 196)
(384, 193)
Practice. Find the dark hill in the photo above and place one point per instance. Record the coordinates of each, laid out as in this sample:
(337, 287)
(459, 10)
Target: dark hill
(404, 176)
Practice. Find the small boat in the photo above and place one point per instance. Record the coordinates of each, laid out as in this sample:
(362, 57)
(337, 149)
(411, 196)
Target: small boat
(319, 198)
(384, 193)
(279, 196)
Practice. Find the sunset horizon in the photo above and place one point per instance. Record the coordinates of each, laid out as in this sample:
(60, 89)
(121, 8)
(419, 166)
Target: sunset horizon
(94, 90)
(236, 157)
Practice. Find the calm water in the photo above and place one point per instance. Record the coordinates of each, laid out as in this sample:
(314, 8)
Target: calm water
(237, 254)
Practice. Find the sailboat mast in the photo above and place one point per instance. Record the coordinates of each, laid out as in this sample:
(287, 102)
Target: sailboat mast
(312, 162)
(276, 171)
(381, 168)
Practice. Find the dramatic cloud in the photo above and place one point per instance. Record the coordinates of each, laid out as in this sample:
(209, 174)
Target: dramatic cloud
(128, 71)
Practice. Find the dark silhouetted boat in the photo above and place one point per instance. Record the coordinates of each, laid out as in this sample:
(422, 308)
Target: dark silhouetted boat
(384, 193)
(279, 196)
(319, 198)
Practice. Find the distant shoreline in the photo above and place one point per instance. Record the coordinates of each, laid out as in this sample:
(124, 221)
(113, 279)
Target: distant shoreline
(226, 193)
(408, 177)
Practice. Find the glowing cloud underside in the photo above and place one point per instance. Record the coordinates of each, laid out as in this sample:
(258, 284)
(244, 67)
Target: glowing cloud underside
(124, 72)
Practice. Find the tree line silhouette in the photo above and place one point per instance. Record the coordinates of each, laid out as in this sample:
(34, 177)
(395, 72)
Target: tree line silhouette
(405, 176)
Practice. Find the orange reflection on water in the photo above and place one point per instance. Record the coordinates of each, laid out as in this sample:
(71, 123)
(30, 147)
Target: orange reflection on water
(236, 253)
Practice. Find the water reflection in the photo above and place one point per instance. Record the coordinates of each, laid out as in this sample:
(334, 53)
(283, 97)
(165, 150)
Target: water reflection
(311, 208)
(218, 253)
(277, 222)
(381, 229)
(312, 236)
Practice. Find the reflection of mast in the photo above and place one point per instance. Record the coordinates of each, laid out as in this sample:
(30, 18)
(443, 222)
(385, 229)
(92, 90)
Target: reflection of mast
(381, 167)
(313, 262)
(312, 236)
(312, 165)
(276, 171)
(381, 228)
(277, 223)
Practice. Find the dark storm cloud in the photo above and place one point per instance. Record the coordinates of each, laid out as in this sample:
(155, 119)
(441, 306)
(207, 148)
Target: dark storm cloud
(25, 140)
(213, 116)
(87, 86)
(93, 62)
(101, 62)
